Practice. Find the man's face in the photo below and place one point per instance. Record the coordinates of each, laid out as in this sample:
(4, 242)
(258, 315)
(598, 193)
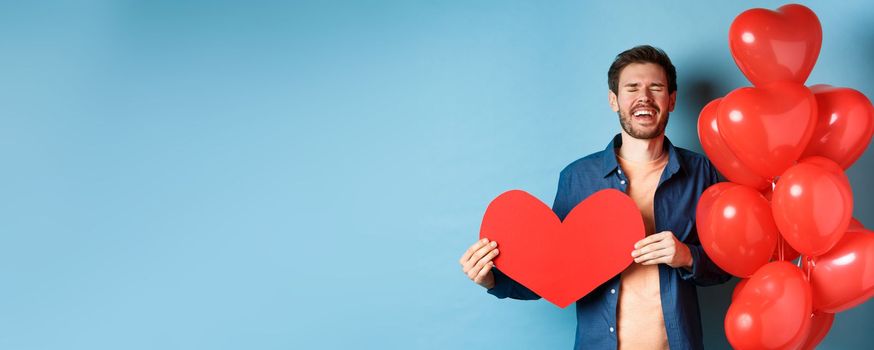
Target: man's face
(643, 102)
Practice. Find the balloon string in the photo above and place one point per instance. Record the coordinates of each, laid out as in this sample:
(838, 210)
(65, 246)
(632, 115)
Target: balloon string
(780, 251)
(811, 263)
(780, 246)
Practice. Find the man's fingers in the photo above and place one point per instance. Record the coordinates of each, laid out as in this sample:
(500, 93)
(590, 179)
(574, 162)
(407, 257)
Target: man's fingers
(485, 260)
(661, 260)
(473, 248)
(653, 238)
(483, 272)
(657, 245)
(649, 240)
(649, 259)
(481, 252)
(656, 254)
(477, 255)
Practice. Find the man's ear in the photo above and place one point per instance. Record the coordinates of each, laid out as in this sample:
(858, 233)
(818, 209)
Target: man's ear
(673, 101)
(614, 101)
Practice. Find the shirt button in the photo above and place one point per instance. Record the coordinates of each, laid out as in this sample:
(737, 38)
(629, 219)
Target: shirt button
(619, 171)
(611, 329)
(622, 182)
(612, 291)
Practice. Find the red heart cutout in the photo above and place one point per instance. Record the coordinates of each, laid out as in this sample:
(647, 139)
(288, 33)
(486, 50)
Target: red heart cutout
(771, 46)
(768, 127)
(844, 126)
(563, 261)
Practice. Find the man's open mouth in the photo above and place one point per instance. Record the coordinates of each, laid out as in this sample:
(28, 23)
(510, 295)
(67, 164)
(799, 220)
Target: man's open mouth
(644, 113)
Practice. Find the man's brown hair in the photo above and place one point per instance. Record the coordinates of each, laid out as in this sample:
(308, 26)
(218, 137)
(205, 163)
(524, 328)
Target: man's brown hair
(641, 54)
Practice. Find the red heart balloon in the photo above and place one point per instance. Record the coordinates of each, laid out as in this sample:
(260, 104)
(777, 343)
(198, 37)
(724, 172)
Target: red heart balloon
(828, 165)
(768, 128)
(770, 46)
(788, 252)
(821, 323)
(563, 261)
(855, 225)
(812, 207)
(844, 126)
(843, 277)
(736, 228)
(772, 311)
(705, 203)
(720, 154)
(739, 287)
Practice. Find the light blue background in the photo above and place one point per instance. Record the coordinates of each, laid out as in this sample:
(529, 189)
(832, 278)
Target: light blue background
(295, 175)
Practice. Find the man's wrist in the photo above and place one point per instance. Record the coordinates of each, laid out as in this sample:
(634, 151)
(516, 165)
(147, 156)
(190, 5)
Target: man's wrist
(689, 259)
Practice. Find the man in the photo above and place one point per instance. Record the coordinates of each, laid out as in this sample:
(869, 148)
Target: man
(653, 304)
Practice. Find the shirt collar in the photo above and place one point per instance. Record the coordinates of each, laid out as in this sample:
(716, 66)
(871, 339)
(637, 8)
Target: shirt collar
(610, 164)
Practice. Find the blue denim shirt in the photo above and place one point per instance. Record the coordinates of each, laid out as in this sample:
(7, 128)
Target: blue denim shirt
(686, 175)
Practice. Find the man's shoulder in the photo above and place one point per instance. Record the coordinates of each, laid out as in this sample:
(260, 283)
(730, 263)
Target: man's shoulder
(697, 166)
(585, 165)
(692, 159)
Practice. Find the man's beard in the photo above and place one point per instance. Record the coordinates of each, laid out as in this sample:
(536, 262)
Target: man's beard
(626, 121)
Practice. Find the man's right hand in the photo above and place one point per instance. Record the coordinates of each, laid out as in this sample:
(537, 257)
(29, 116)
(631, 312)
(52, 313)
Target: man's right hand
(477, 262)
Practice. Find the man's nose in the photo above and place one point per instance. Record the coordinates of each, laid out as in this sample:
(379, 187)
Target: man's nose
(644, 96)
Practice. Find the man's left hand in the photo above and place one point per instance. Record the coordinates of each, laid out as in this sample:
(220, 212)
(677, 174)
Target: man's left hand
(662, 248)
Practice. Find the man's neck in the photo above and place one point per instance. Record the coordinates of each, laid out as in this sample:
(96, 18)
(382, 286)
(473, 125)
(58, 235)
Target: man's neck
(638, 150)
